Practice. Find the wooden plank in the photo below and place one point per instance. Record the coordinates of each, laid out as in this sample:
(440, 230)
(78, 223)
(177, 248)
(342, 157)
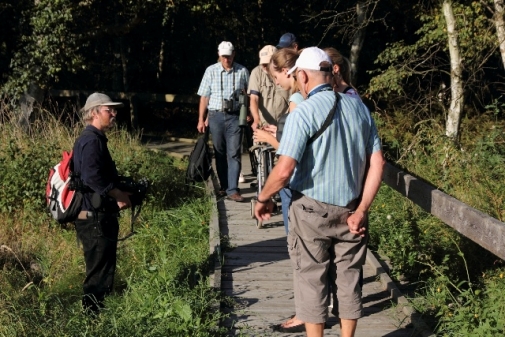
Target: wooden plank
(484, 230)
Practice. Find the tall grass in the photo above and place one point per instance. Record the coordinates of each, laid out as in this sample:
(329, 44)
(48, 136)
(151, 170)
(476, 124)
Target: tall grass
(160, 286)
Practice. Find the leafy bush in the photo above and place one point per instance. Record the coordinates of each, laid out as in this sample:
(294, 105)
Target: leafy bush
(471, 307)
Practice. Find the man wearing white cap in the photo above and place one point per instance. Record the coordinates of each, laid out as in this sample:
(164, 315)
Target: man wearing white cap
(219, 90)
(330, 154)
(97, 225)
(268, 101)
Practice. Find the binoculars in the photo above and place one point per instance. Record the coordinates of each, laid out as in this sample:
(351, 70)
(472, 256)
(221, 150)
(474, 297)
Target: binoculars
(243, 101)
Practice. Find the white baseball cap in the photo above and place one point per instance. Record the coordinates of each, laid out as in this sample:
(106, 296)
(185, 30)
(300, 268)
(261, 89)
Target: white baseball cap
(225, 48)
(311, 58)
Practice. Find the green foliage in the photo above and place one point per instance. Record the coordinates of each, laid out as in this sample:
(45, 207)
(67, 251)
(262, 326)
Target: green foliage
(475, 164)
(18, 164)
(416, 72)
(49, 44)
(471, 307)
(497, 107)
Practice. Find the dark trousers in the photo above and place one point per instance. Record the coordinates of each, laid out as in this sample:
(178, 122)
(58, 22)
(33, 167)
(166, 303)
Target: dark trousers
(99, 241)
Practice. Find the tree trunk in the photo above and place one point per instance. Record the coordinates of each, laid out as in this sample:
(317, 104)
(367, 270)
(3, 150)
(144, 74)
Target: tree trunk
(357, 43)
(456, 107)
(29, 102)
(161, 57)
(500, 27)
(124, 63)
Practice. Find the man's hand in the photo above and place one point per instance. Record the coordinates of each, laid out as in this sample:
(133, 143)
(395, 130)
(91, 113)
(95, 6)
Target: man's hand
(255, 124)
(263, 136)
(263, 210)
(271, 128)
(202, 116)
(201, 126)
(355, 221)
(122, 198)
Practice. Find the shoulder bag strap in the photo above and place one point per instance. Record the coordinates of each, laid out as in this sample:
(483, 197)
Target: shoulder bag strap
(327, 122)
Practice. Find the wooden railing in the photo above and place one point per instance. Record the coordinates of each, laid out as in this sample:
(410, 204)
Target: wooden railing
(484, 230)
(132, 97)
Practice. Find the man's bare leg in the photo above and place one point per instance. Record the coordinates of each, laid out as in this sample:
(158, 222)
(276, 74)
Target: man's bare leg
(347, 327)
(314, 329)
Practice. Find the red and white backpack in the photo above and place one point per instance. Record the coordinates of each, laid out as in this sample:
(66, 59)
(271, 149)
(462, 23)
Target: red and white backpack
(63, 202)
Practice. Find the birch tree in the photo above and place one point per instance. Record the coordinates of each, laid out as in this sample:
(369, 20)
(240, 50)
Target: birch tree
(500, 27)
(456, 107)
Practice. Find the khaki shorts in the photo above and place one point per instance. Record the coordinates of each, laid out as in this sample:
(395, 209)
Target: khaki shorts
(324, 255)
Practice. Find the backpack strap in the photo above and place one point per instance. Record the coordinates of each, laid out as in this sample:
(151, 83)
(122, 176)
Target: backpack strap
(347, 89)
(327, 121)
(206, 134)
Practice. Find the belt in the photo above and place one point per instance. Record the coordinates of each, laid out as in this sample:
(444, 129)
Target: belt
(83, 215)
(235, 112)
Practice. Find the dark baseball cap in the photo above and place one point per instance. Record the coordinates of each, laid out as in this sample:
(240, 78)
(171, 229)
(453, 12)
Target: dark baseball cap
(286, 40)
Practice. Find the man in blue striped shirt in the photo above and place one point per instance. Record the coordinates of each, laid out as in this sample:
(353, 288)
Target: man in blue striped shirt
(334, 179)
(219, 90)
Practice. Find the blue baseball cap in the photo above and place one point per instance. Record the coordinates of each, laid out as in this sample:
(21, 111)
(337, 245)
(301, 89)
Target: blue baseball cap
(286, 40)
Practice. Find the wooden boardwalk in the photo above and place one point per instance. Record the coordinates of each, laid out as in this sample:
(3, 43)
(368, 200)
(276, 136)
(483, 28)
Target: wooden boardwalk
(257, 274)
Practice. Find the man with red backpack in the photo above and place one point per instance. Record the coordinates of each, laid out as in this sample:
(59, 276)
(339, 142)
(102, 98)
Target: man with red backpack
(97, 224)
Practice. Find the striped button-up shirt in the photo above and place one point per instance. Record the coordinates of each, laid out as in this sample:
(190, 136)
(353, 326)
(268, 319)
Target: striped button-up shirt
(332, 168)
(217, 83)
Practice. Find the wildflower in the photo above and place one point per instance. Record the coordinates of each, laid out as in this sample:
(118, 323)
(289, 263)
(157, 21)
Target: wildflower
(388, 216)
(501, 275)
(476, 316)
(438, 289)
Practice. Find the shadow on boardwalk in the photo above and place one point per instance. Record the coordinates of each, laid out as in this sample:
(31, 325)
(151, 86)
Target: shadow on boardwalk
(257, 274)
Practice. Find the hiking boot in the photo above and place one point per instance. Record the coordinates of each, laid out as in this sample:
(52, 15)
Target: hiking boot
(236, 197)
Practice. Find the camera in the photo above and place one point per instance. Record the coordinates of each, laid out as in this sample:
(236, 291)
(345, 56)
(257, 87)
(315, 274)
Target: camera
(227, 105)
(138, 189)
